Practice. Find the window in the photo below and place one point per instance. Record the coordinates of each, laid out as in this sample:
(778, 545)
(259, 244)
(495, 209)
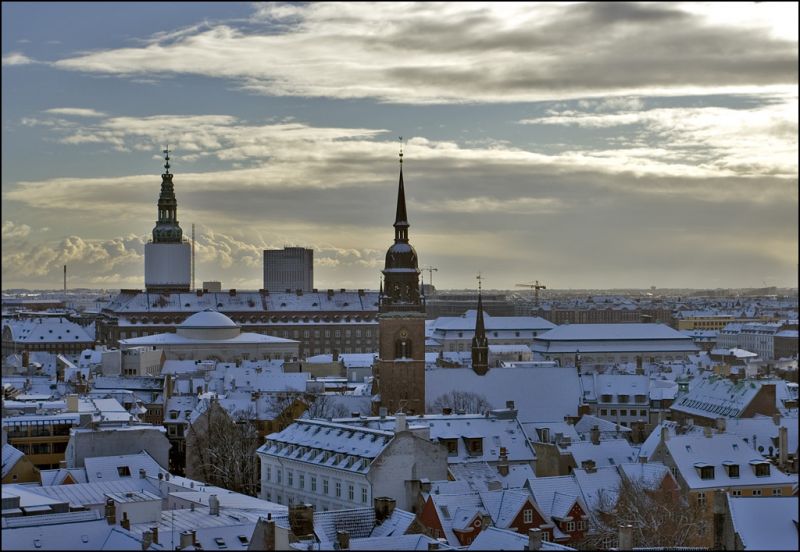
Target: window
(278, 474)
(301, 480)
(337, 333)
(545, 536)
(776, 492)
(324, 486)
(350, 492)
(707, 472)
(289, 478)
(701, 499)
(643, 413)
(527, 516)
(452, 446)
(762, 469)
(623, 412)
(123, 471)
(580, 525)
(570, 526)
(338, 489)
(613, 411)
(604, 412)
(736, 492)
(756, 492)
(364, 495)
(733, 471)
(313, 484)
(269, 473)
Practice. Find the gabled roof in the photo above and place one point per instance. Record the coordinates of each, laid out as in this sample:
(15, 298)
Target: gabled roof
(608, 452)
(452, 509)
(480, 476)
(89, 535)
(493, 538)
(555, 496)
(396, 524)
(92, 494)
(720, 397)
(358, 522)
(396, 542)
(587, 422)
(115, 468)
(504, 506)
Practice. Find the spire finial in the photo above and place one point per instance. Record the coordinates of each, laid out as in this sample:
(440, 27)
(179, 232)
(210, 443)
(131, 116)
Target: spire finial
(166, 158)
(479, 278)
(401, 151)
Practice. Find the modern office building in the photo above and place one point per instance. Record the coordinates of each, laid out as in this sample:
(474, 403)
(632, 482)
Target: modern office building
(290, 268)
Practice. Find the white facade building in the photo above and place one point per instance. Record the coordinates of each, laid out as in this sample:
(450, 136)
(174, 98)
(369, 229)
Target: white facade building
(455, 333)
(290, 268)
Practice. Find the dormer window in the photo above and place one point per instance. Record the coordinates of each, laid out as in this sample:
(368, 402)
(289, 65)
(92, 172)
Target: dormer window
(606, 398)
(474, 445)
(706, 470)
(761, 467)
(452, 446)
(732, 469)
(623, 398)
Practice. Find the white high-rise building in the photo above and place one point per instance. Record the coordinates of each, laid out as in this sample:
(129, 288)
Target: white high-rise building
(168, 258)
(289, 268)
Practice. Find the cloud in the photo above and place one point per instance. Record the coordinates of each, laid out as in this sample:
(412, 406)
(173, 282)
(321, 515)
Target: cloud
(494, 52)
(12, 230)
(17, 58)
(75, 112)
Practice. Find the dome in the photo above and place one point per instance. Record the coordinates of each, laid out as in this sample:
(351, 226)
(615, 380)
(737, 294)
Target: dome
(401, 255)
(208, 319)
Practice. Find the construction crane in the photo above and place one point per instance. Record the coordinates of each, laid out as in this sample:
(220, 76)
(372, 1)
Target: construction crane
(430, 270)
(535, 287)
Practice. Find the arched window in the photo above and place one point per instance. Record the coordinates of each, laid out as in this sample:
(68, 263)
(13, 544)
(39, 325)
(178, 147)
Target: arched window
(402, 348)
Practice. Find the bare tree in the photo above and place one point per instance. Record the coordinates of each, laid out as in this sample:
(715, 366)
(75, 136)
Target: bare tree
(221, 449)
(460, 401)
(325, 406)
(660, 517)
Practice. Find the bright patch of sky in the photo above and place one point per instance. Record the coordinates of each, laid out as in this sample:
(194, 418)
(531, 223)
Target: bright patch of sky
(583, 144)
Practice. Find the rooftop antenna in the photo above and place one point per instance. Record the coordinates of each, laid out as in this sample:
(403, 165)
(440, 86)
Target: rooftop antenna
(479, 277)
(193, 261)
(65, 285)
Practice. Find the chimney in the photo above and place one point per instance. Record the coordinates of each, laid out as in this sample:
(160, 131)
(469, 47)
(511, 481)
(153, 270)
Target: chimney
(595, 433)
(400, 423)
(783, 446)
(147, 540)
(625, 537)
(721, 425)
(125, 523)
(343, 540)
(111, 511)
(269, 533)
(447, 410)
(719, 508)
(776, 418)
(335, 355)
(194, 537)
(168, 386)
(213, 505)
(545, 435)
(707, 432)
(639, 366)
(589, 466)
(382, 412)
(301, 519)
(486, 521)
(142, 473)
(534, 539)
(664, 434)
(510, 405)
(154, 531)
(384, 506)
(433, 545)
(72, 402)
(26, 359)
(186, 539)
(502, 463)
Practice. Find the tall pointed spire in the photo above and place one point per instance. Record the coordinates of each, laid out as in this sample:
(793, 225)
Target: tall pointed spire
(480, 345)
(401, 217)
(167, 229)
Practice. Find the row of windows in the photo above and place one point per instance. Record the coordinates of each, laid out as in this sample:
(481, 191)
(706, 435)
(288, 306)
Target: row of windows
(301, 484)
(622, 412)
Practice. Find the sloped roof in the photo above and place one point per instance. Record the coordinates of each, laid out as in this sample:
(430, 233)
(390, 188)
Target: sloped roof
(395, 542)
(47, 330)
(503, 506)
(107, 468)
(765, 523)
(715, 397)
(555, 496)
(539, 394)
(88, 494)
(358, 522)
(11, 456)
(478, 475)
(396, 524)
(89, 535)
(494, 538)
(608, 452)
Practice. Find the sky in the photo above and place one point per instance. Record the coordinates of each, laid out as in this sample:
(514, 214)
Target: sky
(584, 145)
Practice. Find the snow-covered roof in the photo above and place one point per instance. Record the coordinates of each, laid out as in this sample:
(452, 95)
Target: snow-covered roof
(114, 468)
(466, 323)
(358, 522)
(59, 475)
(608, 452)
(92, 494)
(11, 456)
(396, 542)
(587, 422)
(208, 318)
(555, 496)
(534, 430)
(504, 505)
(611, 332)
(765, 431)
(765, 523)
(398, 522)
(715, 397)
(177, 339)
(539, 394)
(90, 535)
(47, 330)
(456, 510)
(493, 538)
(718, 450)
(479, 475)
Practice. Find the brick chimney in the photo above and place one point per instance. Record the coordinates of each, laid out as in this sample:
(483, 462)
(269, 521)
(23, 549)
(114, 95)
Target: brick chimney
(186, 539)
(534, 539)
(142, 473)
(721, 425)
(147, 540)
(783, 446)
(707, 432)
(343, 540)
(125, 523)
(664, 434)
(502, 463)
(595, 435)
(301, 519)
(154, 531)
(213, 505)
(589, 466)
(384, 506)
(776, 418)
(400, 423)
(111, 511)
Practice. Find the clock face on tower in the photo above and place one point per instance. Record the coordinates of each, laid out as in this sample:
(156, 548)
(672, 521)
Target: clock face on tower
(403, 333)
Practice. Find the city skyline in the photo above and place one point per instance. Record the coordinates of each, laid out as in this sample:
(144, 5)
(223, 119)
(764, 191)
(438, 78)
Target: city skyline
(581, 145)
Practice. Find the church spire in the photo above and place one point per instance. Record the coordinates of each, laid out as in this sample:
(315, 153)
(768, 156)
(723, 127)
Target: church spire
(401, 218)
(480, 345)
(167, 229)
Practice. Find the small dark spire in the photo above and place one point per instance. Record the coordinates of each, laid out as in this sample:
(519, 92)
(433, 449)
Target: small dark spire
(480, 345)
(166, 158)
(480, 330)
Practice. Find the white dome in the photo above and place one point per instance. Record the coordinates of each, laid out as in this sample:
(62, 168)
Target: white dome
(208, 319)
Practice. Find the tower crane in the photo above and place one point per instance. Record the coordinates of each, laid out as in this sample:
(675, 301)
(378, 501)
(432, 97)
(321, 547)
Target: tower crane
(535, 287)
(431, 270)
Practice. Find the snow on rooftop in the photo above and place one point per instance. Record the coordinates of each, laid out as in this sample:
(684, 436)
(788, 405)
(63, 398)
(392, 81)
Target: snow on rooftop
(765, 523)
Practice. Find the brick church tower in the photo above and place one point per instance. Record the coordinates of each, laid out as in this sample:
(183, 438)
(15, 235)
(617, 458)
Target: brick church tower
(399, 383)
